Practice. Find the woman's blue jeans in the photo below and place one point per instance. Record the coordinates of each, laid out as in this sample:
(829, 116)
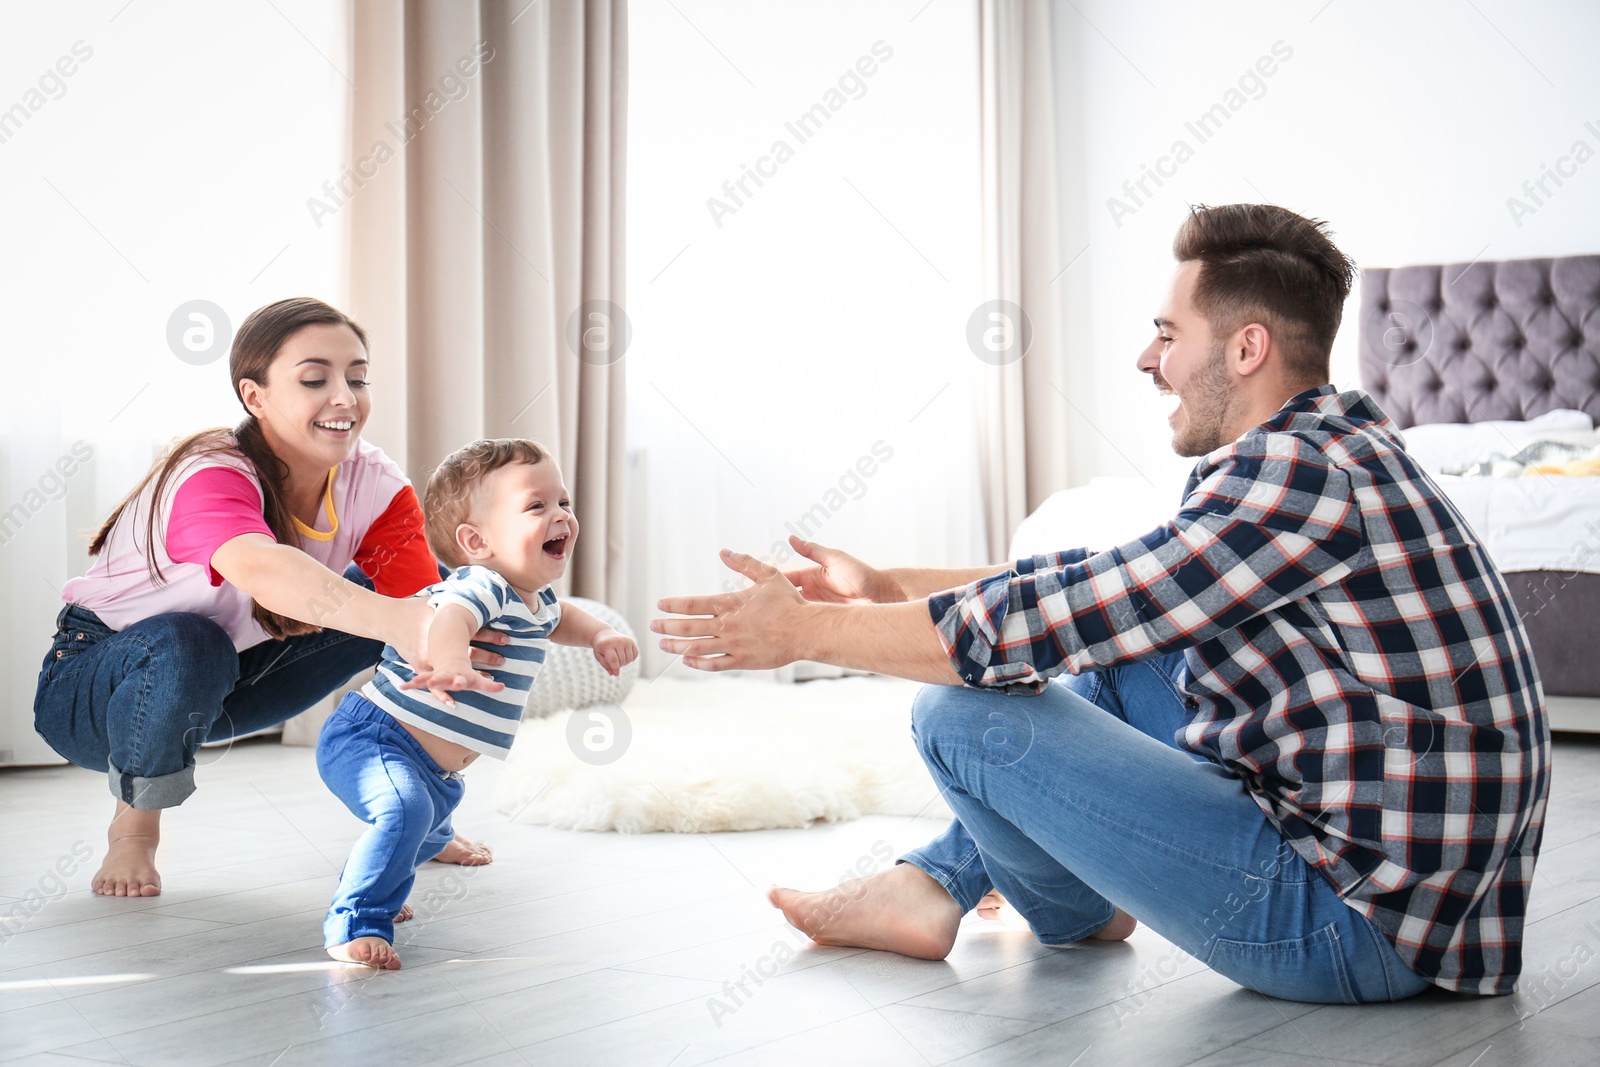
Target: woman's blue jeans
(1077, 799)
(137, 703)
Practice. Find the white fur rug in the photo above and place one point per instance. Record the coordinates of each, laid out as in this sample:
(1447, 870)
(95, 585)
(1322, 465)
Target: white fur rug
(726, 754)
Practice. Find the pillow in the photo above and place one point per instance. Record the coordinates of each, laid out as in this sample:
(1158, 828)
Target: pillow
(571, 678)
(1455, 445)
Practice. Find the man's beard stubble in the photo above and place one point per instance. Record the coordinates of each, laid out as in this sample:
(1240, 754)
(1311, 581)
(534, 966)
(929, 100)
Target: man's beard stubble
(1206, 410)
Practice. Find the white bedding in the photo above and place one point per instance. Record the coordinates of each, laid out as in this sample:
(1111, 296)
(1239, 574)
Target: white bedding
(1105, 513)
(1442, 446)
(1530, 523)
(1526, 523)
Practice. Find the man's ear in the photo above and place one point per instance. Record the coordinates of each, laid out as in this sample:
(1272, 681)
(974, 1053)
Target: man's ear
(1249, 348)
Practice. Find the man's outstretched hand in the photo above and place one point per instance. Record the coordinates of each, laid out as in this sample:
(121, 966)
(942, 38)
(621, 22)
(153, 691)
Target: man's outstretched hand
(753, 629)
(838, 577)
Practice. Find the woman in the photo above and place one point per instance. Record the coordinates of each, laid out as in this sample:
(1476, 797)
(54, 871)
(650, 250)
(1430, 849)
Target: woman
(215, 605)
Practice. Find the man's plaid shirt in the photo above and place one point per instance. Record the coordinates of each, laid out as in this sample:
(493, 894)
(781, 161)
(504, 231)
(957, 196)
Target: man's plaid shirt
(1353, 656)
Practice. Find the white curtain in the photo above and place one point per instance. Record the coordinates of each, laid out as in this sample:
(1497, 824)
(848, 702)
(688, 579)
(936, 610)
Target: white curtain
(486, 237)
(1023, 412)
(484, 250)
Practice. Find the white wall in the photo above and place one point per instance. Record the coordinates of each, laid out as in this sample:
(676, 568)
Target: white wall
(173, 163)
(1406, 125)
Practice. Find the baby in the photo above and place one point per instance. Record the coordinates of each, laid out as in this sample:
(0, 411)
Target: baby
(498, 513)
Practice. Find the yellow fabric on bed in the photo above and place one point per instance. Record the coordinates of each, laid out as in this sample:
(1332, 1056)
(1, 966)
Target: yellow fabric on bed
(1579, 468)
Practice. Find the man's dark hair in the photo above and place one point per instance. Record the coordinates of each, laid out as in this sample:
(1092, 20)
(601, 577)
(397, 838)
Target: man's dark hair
(1264, 263)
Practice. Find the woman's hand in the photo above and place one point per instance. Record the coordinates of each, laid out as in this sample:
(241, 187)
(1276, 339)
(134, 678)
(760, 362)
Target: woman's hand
(410, 638)
(838, 577)
(614, 651)
(454, 676)
(753, 629)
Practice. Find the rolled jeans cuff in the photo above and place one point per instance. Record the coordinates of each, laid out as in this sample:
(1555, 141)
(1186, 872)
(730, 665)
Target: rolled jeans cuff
(957, 882)
(149, 794)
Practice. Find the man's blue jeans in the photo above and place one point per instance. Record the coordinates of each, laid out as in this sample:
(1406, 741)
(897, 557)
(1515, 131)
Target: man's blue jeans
(1077, 799)
(387, 780)
(137, 703)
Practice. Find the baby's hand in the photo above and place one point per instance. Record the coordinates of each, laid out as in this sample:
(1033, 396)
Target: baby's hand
(614, 651)
(441, 680)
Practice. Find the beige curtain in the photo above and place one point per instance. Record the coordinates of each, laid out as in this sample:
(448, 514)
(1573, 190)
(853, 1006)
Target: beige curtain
(484, 226)
(1023, 413)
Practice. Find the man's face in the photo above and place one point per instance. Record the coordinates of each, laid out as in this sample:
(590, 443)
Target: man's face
(1184, 360)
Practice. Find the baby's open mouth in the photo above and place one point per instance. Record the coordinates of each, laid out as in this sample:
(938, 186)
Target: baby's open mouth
(556, 547)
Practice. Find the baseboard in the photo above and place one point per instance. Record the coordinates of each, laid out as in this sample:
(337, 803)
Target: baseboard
(1577, 714)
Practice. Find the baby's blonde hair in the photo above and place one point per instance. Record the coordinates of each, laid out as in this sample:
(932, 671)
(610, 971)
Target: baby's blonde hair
(452, 492)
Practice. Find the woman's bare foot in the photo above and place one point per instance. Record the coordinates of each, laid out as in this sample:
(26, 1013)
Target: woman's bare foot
(1120, 928)
(466, 853)
(898, 910)
(373, 951)
(405, 914)
(129, 869)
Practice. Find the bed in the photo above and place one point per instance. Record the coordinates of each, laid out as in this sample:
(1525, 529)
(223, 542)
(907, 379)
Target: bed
(1503, 344)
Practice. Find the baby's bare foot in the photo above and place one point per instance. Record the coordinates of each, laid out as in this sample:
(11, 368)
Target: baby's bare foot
(129, 869)
(898, 910)
(374, 952)
(405, 914)
(466, 853)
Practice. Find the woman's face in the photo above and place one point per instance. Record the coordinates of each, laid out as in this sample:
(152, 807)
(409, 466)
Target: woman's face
(314, 403)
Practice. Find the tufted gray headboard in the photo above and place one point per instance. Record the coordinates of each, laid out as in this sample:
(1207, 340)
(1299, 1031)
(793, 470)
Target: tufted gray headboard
(1470, 342)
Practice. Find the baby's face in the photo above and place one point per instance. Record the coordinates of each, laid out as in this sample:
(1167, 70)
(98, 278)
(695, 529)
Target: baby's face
(529, 524)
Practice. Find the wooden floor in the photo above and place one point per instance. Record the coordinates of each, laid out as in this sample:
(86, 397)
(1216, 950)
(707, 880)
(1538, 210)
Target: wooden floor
(658, 950)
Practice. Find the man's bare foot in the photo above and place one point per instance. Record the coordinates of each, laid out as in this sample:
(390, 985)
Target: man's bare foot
(129, 869)
(1120, 928)
(466, 853)
(373, 951)
(405, 914)
(898, 910)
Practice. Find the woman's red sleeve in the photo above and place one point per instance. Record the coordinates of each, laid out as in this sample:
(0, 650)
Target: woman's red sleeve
(395, 552)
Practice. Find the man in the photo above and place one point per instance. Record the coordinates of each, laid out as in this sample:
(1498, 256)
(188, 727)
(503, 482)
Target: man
(1306, 741)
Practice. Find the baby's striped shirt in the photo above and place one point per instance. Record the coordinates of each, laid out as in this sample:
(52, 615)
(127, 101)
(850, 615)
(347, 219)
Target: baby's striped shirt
(484, 722)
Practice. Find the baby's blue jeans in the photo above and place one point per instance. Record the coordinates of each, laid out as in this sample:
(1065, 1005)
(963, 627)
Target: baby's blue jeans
(385, 778)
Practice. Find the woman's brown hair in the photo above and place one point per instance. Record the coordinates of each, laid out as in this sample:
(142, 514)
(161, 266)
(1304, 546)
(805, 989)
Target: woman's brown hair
(254, 347)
